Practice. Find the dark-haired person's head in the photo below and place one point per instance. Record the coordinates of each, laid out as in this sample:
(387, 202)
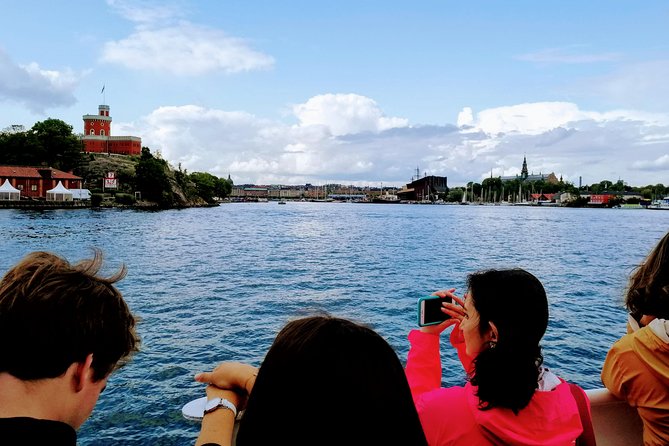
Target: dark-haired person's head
(648, 290)
(330, 381)
(512, 308)
(55, 316)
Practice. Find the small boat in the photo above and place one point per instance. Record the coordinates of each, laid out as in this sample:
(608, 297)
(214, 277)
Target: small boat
(662, 204)
(386, 198)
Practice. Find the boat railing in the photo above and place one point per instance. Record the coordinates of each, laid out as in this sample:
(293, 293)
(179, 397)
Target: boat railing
(615, 422)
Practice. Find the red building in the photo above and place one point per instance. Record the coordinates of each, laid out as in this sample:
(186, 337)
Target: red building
(97, 136)
(35, 181)
(601, 199)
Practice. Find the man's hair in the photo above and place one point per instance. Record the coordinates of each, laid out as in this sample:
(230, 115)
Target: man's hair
(53, 314)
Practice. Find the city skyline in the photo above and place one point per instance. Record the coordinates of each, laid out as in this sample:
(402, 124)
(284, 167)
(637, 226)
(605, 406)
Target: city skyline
(358, 92)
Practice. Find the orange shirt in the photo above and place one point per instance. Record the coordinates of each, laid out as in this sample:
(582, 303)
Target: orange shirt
(637, 370)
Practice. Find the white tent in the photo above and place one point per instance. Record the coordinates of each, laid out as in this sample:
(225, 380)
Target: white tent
(81, 194)
(9, 192)
(59, 193)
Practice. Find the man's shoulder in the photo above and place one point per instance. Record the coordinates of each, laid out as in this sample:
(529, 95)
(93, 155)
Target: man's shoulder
(24, 430)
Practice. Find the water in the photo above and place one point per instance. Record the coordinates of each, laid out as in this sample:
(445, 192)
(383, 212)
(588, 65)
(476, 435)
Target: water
(216, 284)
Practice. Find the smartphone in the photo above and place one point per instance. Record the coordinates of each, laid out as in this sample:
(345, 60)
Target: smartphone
(429, 310)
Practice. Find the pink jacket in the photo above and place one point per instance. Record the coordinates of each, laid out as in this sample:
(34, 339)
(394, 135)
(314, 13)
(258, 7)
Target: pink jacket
(450, 416)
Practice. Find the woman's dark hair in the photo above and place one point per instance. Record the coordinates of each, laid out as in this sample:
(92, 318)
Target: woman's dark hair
(506, 372)
(329, 381)
(648, 290)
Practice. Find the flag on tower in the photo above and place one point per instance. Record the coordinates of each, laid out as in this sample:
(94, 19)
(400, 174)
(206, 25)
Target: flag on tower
(103, 89)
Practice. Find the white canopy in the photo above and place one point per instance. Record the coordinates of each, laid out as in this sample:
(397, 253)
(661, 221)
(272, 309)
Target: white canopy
(59, 193)
(9, 192)
(81, 194)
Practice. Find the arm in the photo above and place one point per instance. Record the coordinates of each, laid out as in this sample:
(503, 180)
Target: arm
(423, 368)
(230, 375)
(234, 382)
(458, 342)
(218, 426)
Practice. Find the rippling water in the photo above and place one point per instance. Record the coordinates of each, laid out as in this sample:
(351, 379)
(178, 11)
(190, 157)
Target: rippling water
(216, 284)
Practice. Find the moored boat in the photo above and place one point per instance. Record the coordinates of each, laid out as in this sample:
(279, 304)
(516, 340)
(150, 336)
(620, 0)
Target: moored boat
(662, 204)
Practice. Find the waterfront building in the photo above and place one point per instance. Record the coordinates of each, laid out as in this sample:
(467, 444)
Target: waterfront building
(34, 182)
(525, 176)
(97, 136)
(424, 189)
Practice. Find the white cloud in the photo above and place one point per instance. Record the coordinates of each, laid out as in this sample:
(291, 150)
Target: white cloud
(344, 114)
(184, 49)
(465, 117)
(341, 138)
(632, 86)
(659, 164)
(567, 55)
(35, 87)
(145, 11)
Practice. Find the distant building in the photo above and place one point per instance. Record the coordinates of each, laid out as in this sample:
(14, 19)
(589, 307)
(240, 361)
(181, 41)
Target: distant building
(525, 176)
(34, 182)
(97, 136)
(425, 188)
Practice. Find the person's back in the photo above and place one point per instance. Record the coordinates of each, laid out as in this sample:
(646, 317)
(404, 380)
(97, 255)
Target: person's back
(63, 330)
(509, 398)
(329, 381)
(636, 368)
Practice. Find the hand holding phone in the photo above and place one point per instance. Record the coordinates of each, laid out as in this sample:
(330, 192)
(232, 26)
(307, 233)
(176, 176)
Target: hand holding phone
(429, 310)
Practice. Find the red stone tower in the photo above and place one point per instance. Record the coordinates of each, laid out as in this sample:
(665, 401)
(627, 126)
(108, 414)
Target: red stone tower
(99, 124)
(97, 136)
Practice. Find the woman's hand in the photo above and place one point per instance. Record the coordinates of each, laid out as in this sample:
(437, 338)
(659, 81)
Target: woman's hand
(454, 310)
(230, 375)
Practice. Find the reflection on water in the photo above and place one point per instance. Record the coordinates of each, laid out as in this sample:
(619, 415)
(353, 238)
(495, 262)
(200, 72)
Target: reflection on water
(216, 284)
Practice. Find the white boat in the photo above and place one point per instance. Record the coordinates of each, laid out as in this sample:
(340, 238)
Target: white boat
(662, 204)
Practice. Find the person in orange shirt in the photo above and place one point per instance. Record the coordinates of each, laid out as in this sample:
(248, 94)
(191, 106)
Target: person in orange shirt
(636, 368)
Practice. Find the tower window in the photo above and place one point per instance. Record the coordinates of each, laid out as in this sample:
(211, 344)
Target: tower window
(102, 132)
(92, 132)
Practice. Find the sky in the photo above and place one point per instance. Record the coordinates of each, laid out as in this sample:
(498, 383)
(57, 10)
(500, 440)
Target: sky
(363, 92)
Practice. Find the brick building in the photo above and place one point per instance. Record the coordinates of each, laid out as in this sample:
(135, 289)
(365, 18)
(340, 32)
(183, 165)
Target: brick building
(33, 182)
(97, 136)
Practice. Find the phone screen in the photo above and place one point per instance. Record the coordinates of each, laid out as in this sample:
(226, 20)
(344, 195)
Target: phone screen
(429, 310)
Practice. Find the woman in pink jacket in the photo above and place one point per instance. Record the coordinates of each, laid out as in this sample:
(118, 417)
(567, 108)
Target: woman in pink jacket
(509, 399)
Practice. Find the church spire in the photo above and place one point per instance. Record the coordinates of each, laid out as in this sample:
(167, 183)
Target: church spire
(523, 171)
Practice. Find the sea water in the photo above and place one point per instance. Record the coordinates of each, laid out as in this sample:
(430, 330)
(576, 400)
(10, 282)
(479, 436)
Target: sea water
(216, 284)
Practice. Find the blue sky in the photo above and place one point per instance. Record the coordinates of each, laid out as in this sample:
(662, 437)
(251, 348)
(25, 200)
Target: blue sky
(356, 92)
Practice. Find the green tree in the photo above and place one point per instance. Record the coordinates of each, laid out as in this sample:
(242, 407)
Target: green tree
(205, 185)
(151, 178)
(19, 148)
(55, 144)
(223, 187)
(455, 195)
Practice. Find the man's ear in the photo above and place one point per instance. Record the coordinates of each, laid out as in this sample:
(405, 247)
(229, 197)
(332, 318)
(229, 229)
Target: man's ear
(82, 373)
